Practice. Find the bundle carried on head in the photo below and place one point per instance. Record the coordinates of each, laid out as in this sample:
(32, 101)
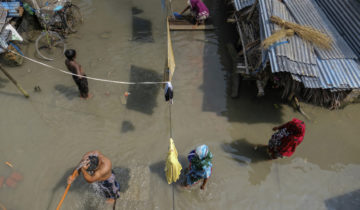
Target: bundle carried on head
(305, 32)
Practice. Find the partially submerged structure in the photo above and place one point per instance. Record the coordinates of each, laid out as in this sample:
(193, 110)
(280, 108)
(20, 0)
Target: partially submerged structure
(327, 77)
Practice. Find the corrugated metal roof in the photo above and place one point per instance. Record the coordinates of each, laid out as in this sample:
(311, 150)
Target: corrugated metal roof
(304, 69)
(345, 16)
(241, 4)
(314, 70)
(339, 73)
(307, 12)
(298, 50)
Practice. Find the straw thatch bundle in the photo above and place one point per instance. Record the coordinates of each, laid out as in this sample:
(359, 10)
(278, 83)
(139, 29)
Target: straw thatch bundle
(276, 37)
(305, 32)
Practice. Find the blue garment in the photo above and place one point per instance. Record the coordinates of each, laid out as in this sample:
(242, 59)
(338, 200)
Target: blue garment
(200, 164)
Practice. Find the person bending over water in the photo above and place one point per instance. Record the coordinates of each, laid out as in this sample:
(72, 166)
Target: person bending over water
(76, 68)
(199, 166)
(286, 139)
(96, 168)
(198, 10)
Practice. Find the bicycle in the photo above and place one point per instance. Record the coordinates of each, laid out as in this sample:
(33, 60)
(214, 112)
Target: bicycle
(58, 21)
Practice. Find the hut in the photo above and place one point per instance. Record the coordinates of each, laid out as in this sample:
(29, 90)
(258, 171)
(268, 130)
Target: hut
(326, 77)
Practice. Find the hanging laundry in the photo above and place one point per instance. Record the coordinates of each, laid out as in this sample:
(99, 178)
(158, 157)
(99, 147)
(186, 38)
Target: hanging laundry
(169, 92)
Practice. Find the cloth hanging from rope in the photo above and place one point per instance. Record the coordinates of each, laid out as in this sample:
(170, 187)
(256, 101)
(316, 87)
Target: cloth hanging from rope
(169, 92)
(173, 167)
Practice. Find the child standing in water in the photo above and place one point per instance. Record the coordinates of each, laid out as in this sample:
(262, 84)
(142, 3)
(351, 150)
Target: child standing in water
(76, 68)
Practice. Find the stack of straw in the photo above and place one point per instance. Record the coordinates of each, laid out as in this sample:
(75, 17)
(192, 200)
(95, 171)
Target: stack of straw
(276, 37)
(305, 32)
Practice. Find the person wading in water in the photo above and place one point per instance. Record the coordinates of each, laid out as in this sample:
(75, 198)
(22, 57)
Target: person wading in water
(199, 166)
(288, 136)
(96, 169)
(76, 68)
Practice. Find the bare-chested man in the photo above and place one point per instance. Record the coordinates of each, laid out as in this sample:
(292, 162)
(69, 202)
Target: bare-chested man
(76, 68)
(96, 168)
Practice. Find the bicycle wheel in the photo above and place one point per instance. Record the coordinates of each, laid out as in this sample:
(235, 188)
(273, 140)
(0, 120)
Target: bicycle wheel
(73, 18)
(49, 45)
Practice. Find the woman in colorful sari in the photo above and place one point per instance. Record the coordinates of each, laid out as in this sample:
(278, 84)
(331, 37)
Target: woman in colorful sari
(288, 136)
(199, 166)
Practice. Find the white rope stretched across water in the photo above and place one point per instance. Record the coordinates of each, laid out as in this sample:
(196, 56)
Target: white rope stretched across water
(90, 78)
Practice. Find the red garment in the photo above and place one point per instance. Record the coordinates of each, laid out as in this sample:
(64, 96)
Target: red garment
(296, 129)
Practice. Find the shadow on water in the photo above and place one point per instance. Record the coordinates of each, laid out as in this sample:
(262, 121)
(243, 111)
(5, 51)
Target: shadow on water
(18, 95)
(127, 126)
(91, 200)
(247, 107)
(3, 82)
(244, 153)
(136, 11)
(141, 30)
(349, 201)
(158, 168)
(143, 97)
(69, 92)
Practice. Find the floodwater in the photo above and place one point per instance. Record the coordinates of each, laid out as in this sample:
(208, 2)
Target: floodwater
(45, 136)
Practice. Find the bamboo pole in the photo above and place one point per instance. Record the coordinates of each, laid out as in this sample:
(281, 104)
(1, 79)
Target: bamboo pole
(65, 193)
(15, 82)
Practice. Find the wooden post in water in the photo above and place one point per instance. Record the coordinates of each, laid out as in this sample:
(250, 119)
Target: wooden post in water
(14, 81)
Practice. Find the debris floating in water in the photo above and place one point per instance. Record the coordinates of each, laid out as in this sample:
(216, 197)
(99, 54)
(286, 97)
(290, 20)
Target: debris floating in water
(9, 164)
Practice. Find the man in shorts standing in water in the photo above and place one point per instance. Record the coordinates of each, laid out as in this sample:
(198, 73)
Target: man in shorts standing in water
(96, 168)
(76, 68)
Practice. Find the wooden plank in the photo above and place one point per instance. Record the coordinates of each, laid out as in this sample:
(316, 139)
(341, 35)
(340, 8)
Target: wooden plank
(186, 24)
(191, 27)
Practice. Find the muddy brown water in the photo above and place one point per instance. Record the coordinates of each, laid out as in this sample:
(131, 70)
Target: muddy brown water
(45, 136)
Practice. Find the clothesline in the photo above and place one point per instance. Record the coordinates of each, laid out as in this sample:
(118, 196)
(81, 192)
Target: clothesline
(90, 78)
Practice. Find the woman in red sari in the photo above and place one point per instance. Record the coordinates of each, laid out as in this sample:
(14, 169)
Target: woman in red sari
(286, 139)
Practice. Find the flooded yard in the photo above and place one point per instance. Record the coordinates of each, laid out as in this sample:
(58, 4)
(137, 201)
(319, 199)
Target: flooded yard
(45, 136)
